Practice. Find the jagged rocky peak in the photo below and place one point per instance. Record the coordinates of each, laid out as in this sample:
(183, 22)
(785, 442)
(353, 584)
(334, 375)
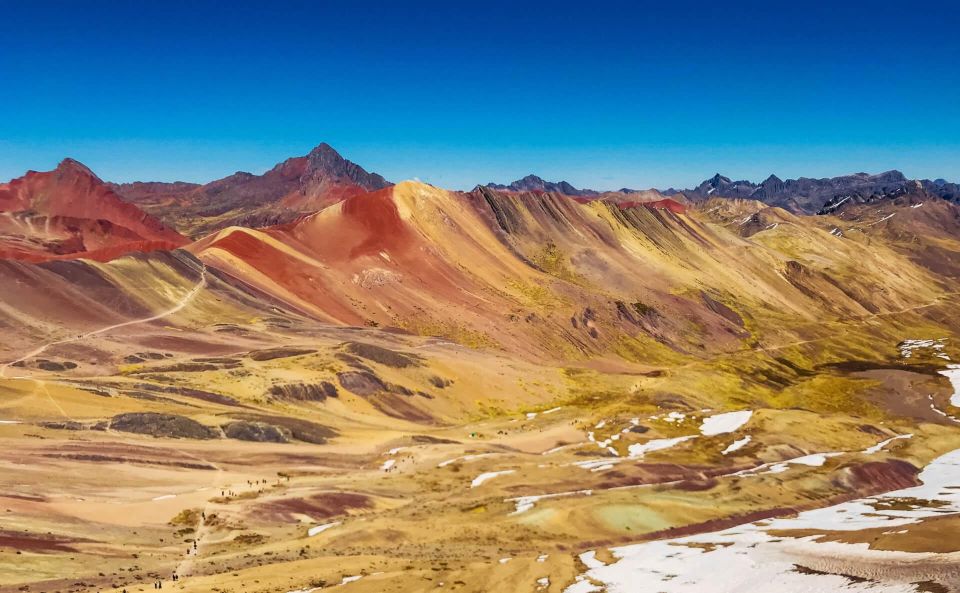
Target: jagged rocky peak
(324, 160)
(536, 183)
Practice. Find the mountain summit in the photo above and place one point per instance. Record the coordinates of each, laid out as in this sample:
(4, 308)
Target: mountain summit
(290, 189)
(69, 212)
(533, 183)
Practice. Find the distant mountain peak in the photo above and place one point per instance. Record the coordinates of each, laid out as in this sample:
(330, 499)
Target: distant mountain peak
(531, 178)
(324, 160)
(324, 152)
(771, 180)
(718, 179)
(810, 195)
(533, 182)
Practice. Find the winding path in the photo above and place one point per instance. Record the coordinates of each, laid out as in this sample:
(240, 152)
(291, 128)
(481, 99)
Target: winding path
(183, 302)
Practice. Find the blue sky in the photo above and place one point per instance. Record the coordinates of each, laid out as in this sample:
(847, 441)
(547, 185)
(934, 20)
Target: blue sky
(604, 94)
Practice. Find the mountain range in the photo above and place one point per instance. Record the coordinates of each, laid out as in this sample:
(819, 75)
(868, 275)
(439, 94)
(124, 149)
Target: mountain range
(803, 196)
(293, 187)
(314, 379)
(70, 212)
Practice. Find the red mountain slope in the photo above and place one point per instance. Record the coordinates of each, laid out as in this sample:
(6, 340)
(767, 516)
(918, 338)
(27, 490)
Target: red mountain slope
(68, 213)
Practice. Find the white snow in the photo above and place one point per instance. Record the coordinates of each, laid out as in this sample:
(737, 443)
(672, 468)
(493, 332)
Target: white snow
(812, 460)
(505, 560)
(561, 448)
(347, 580)
(395, 450)
(531, 415)
(388, 464)
(747, 559)
(525, 503)
(542, 557)
(882, 444)
(552, 410)
(736, 445)
(641, 449)
(908, 347)
(321, 528)
(543, 582)
(489, 476)
(724, 423)
(164, 497)
(464, 458)
(589, 559)
(917, 205)
(9, 422)
(953, 373)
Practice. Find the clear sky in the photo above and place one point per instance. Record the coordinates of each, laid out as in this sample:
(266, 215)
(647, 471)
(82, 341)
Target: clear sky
(602, 94)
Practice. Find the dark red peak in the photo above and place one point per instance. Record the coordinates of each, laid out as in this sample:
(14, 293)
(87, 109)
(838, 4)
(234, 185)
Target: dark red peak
(531, 179)
(325, 158)
(325, 162)
(664, 204)
(292, 167)
(70, 166)
(324, 149)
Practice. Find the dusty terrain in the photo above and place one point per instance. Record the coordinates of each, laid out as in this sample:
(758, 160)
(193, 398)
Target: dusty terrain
(415, 390)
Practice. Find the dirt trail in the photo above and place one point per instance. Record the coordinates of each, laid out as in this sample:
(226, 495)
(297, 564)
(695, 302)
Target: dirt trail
(183, 302)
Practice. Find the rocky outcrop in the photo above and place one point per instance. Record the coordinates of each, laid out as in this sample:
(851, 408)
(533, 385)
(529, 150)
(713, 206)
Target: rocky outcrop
(384, 356)
(162, 425)
(273, 353)
(307, 392)
(361, 382)
(259, 432)
(295, 428)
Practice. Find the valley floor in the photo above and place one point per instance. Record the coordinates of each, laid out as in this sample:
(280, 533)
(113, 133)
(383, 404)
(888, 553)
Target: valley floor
(469, 470)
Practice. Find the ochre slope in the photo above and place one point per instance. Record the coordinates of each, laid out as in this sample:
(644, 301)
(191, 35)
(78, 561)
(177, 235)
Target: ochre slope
(551, 276)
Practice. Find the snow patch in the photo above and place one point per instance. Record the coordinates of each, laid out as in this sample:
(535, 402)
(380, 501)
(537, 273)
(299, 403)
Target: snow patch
(882, 444)
(489, 476)
(321, 528)
(641, 449)
(724, 423)
(953, 373)
(747, 558)
(736, 445)
(525, 503)
(464, 458)
(908, 347)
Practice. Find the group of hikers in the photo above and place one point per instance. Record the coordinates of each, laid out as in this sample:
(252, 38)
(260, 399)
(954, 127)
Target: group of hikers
(159, 583)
